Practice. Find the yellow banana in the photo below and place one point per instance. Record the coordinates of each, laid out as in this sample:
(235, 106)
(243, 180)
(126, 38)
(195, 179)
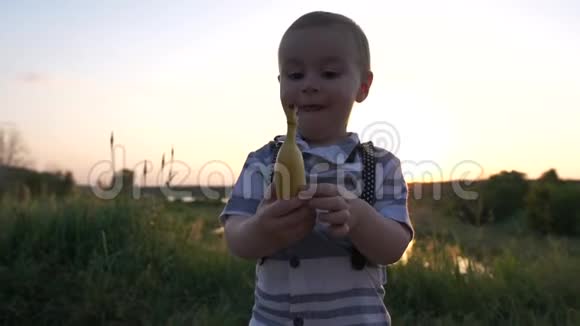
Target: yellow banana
(289, 174)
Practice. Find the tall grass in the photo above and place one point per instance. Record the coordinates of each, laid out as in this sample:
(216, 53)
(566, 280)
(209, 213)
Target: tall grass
(84, 261)
(507, 288)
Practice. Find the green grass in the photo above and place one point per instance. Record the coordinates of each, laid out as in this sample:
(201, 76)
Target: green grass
(505, 288)
(84, 261)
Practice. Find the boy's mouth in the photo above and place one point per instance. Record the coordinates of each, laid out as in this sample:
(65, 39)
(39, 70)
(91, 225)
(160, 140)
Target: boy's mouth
(310, 108)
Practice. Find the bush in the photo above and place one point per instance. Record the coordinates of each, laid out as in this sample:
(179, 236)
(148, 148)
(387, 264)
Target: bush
(538, 208)
(502, 196)
(17, 181)
(554, 208)
(565, 207)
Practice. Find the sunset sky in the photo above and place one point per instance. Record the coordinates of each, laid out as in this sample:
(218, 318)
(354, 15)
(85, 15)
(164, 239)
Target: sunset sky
(495, 83)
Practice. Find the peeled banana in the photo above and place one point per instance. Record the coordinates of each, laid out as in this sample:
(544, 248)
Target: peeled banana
(289, 174)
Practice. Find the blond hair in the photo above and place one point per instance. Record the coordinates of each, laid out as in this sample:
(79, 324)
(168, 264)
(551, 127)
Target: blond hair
(323, 18)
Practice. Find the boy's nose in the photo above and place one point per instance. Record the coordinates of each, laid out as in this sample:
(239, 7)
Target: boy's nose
(310, 85)
(310, 90)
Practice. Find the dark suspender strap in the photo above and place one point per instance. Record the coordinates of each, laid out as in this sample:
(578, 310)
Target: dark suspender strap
(368, 173)
(366, 151)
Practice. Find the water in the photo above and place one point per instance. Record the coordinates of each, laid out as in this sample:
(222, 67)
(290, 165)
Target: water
(192, 199)
(463, 262)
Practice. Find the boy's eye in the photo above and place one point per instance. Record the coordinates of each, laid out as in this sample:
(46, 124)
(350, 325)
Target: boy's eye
(295, 75)
(330, 74)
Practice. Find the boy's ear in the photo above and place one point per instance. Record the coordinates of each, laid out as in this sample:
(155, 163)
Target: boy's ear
(365, 86)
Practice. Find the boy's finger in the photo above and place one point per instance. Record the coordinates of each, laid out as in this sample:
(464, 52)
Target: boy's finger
(284, 207)
(298, 216)
(325, 190)
(340, 217)
(318, 190)
(328, 203)
(339, 230)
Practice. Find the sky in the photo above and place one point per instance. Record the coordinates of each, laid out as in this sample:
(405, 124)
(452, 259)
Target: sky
(462, 89)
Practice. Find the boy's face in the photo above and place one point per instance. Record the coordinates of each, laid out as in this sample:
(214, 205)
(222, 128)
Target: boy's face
(320, 74)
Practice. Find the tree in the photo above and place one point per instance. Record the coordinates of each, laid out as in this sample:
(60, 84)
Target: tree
(553, 205)
(550, 176)
(504, 194)
(13, 150)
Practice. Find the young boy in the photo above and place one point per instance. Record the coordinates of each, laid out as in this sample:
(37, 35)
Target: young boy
(321, 257)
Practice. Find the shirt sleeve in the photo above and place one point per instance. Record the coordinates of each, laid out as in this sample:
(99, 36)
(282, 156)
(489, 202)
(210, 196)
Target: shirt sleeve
(249, 189)
(391, 190)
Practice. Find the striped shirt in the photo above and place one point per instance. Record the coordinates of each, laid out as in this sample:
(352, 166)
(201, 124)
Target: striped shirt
(313, 282)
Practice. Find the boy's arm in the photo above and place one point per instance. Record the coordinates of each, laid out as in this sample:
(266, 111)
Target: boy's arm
(382, 240)
(242, 236)
(244, 239)
(383, 231)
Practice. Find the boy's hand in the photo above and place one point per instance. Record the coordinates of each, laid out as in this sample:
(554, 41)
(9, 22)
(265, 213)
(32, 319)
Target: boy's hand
(336, 201)
(284, 221)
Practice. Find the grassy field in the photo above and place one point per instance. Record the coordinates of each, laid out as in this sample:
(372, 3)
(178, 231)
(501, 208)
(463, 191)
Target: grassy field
(82, 261)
